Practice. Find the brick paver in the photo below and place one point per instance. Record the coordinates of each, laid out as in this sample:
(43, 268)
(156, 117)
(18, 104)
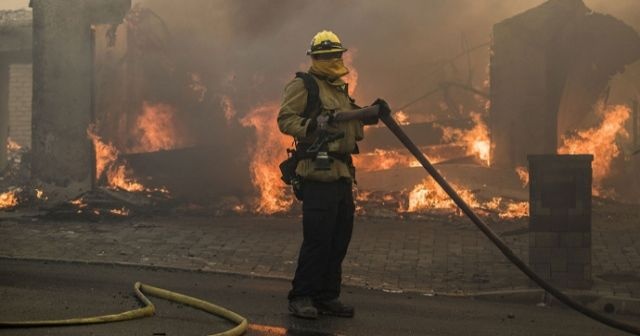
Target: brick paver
(441, 256)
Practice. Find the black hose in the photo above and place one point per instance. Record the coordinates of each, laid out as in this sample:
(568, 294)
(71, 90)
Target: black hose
(399, 133)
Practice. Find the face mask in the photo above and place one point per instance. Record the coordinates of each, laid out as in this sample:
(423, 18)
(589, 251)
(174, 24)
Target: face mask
(332, 68)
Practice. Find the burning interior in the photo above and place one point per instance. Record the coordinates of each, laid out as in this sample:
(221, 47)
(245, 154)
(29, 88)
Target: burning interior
(180, 113)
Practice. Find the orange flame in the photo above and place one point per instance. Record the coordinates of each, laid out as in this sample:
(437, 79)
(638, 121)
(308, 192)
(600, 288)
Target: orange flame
(516, 210)
(476, 140)
(381, 159)
(267, 152)
(600, 141)
(428, 195)
(401, 118)
(156, 129)
(523, 174)
(106, 154)
(9, 199)
(120, 177)
(106, 157)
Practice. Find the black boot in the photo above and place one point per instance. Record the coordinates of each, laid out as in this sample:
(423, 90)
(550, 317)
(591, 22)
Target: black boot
(303, 307)
(334, 308)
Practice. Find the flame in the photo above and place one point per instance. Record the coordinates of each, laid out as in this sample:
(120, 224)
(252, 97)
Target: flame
(381, 159)
(266, 153)
(476, 140)
(227, 107)
(106, 154)
(600, 141)
(156, 129)
(428, 195)
(401, 118)
(106, 157)
(515, 210)
(494, 203)
(119, 177)
(523, 174)
(9, 199)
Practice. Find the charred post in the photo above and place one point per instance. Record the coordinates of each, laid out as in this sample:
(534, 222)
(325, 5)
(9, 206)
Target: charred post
(62, 94)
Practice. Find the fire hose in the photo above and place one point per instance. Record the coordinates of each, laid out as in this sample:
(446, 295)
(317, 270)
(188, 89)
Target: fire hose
(495, 239)
(146, 311)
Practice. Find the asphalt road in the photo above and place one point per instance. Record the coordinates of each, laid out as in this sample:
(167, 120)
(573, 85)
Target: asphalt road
(51, 290)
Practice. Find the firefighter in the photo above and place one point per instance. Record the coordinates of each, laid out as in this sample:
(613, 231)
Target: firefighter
(309, 102)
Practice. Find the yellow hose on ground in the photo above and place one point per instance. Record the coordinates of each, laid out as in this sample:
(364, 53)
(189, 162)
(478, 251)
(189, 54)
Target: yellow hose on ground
(148, 310)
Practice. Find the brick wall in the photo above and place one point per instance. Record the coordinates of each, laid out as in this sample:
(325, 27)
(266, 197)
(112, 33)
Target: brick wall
(20, 86)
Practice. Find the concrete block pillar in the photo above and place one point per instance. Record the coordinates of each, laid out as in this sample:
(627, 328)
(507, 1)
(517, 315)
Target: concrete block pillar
(560, 219)
(63, 91)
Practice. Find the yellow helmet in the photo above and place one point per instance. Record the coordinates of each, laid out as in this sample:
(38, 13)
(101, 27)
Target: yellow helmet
(325, 42)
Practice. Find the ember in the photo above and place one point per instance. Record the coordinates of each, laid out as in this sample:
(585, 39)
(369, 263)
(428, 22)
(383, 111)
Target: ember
(40, 194)
(120, 212)
(79, 203)
(9, 199)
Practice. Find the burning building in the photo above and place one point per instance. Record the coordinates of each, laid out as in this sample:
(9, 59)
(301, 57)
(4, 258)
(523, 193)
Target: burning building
(153, 103)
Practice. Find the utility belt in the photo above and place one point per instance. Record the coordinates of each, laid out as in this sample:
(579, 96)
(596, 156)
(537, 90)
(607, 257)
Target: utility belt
(288, 166)
(301, 153)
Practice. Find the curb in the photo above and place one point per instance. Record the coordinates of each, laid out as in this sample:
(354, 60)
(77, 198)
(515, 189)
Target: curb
(607, 304)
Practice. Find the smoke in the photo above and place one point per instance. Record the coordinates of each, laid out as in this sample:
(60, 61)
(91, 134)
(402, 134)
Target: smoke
(260, 44)
(244, 52)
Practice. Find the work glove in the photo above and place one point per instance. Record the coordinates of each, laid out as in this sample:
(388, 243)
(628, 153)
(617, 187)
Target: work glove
(385, 110)
(320, 121)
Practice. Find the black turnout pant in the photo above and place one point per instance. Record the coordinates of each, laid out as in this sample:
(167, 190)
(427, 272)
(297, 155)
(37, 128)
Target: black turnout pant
(327, 220)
